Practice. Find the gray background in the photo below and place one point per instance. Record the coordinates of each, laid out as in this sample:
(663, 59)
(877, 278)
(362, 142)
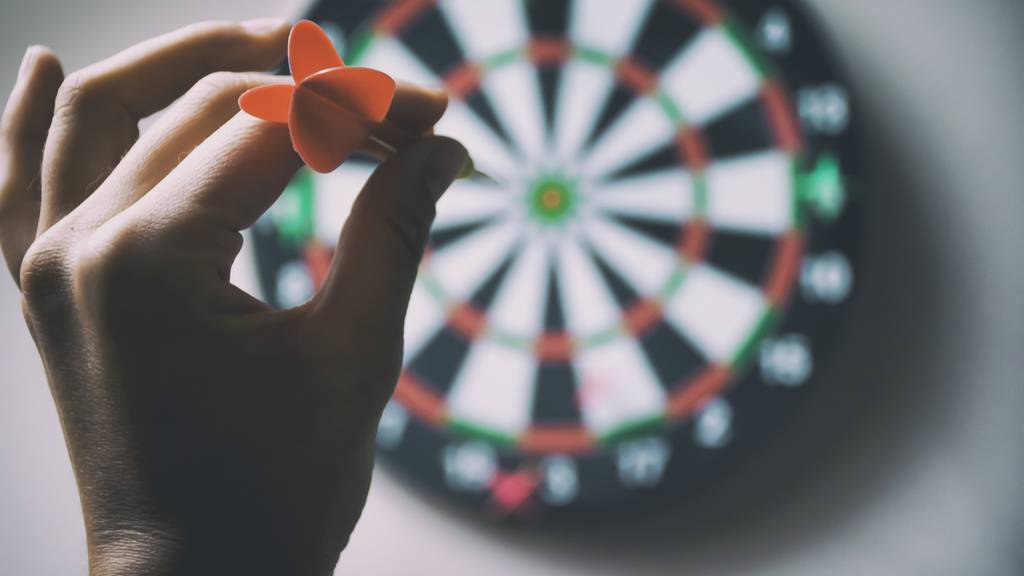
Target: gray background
(915, 467)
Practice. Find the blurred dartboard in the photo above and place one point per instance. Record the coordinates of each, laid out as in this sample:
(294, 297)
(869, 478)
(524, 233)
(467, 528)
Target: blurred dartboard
(646, 292)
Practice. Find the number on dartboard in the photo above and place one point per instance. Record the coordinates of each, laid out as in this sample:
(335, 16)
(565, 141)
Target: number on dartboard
(560, 480)
(827, 278)
(774, 32)
(469, 466)
(824, 109)
(714, 424)
(787, 360)
(641, 463)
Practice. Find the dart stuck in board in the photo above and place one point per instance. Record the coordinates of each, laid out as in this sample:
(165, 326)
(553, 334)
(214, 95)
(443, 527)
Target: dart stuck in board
(331, 109)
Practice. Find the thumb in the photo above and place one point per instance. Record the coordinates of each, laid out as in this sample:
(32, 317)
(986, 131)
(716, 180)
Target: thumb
(381, 245)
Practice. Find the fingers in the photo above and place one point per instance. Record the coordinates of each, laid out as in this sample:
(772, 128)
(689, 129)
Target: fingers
(381, 245)
(221, 188)
(23, 130)
(205, 108)
(413, 113)
(98, 107)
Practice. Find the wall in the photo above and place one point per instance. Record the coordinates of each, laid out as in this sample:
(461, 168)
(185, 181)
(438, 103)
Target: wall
(919, 475)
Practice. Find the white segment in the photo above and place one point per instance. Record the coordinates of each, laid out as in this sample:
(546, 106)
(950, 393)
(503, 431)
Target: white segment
(645, 264)
(333, 197)
(423, 319)
(638, 131)
(519, 305)
(617, 386)
(494, 388)
(468, 201)
(388, 55)
(716, 311)
(486, 28)
(665, 195)
(490, 154)
(581, 95)
(710, 77)
(753, 193)
(516, 96)
(607, 25)
(589, 306)
(463, 266)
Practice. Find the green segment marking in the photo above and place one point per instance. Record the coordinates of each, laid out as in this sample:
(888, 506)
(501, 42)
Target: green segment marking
(479, 432)
(632, 429)
(741, 39)
(822, 189)
(592, 55)
(764, 324)
(503, 58)
(360, 43)
(293, 212)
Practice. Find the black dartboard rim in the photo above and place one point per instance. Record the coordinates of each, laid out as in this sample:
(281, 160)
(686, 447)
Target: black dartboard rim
(757, 408)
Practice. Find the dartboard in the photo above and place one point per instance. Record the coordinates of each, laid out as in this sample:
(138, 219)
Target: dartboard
(645, 289)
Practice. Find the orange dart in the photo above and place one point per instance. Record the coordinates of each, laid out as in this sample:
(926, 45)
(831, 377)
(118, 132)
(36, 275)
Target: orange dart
(331, 108)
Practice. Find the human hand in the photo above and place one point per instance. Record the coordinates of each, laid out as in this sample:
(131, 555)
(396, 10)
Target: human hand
(208, 433)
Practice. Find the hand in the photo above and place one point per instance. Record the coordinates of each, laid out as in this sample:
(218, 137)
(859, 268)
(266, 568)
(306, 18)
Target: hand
(208, 433)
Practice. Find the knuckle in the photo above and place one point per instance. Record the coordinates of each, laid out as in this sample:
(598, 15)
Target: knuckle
(43, 274)
(105, 259)
(79, 92)
(218, 87)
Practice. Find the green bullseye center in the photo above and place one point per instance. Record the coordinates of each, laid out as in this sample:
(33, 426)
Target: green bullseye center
(551, 200)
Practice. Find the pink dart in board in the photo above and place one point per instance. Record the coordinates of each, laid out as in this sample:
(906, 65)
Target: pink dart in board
(331, 108)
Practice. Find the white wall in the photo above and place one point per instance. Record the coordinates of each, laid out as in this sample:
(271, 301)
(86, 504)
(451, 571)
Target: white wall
(921, 476)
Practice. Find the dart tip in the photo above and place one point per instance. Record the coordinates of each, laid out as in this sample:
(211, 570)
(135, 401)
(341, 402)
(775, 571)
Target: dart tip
(469, 170)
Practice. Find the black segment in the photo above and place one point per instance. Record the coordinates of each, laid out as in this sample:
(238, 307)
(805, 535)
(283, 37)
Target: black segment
(617, 101)
(548, 18)
(742, 255)
(441, 239)
(479, 104)
(621, 290)
(554, 399)
(741, 131)
(664, 34)
(659, 159)
(431, 39)
(554, 314)
(347, 15)
(439, 360)
(484, 295)
(548, 78)
(673, 357)
(666, 233)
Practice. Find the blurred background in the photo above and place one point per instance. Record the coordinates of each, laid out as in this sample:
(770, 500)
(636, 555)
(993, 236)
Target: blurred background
(915, 467)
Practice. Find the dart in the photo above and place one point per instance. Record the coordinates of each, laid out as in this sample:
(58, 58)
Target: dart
(331, 109)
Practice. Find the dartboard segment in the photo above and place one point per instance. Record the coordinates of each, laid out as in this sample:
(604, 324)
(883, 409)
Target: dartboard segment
(646, 293)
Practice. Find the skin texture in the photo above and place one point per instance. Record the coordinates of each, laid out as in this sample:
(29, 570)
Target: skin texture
(208, 433)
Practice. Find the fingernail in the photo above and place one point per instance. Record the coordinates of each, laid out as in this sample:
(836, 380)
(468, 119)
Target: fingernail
(27, 60)
(444, 163)
(264, 25)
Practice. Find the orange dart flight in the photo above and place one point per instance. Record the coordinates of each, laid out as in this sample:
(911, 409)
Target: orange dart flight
(331, 107)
